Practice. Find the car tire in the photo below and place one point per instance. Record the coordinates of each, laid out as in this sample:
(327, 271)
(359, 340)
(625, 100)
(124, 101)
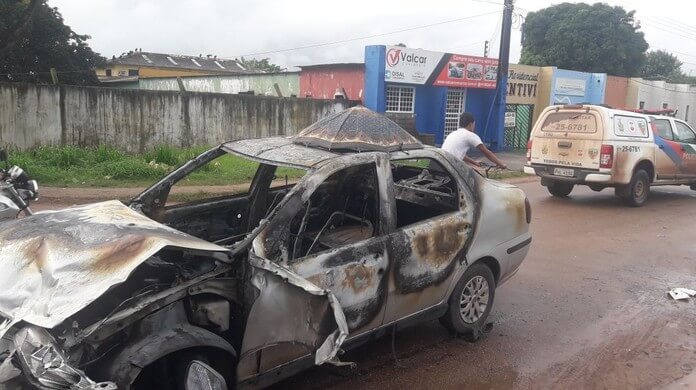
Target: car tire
(464, 314)
(560, 189)
(637, 191)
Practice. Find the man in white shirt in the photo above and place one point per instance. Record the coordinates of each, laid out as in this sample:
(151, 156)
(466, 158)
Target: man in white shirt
(461, 140)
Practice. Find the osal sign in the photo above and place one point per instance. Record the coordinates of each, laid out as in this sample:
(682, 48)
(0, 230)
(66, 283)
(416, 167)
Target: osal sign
(396, 56)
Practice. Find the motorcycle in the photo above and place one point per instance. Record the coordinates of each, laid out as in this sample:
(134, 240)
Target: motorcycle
(16, 190)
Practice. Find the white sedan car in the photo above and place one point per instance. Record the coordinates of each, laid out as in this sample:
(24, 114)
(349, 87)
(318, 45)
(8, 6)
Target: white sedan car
(246, 289)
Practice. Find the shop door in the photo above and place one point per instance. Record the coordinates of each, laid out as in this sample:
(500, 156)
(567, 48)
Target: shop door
(518, 125)
(455, 107)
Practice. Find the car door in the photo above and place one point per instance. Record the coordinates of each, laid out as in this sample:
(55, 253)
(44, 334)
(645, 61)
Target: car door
(431, 234)
(667, 156)
(330, 234)
(687, 147)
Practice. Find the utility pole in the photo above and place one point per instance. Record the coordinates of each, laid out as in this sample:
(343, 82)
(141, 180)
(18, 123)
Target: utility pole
(498, 108)
(504, 56)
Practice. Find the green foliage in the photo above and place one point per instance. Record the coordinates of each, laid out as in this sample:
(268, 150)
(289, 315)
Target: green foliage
(107, 167)
(263, 64)
(34, 39)
(583, 37)
(661, 65)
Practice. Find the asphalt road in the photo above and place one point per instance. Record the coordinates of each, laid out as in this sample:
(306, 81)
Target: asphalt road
(587, 310)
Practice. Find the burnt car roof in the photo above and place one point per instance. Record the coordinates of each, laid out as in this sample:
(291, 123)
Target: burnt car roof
(278, 151)
(357, 129)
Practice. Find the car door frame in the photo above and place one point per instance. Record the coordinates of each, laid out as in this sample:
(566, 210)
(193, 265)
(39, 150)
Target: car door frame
(688, 154)
(412, 298)
(667, 158)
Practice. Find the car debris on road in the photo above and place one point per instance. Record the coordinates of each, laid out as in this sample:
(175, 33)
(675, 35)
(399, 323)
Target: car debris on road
(681, 293)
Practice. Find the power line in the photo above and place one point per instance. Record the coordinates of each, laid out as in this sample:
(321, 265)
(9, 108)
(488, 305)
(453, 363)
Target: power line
(662, 28)
(678, 23)
(365, 36)
(39, 73)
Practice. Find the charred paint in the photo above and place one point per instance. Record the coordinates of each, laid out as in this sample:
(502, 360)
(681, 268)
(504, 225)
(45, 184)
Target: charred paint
(437, 246)
(122, 253)
(358, 277)
(426, 254)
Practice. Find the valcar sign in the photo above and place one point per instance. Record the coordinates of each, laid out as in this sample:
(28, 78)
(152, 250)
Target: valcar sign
(410, 66)
(415, 66)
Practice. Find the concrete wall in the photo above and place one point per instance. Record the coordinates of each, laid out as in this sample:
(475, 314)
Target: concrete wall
(656, 94)
(261, 84)
(572, 87)
(616, 92)
(136, 120)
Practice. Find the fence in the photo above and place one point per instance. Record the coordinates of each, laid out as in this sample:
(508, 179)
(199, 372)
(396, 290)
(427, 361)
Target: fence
(136, 120)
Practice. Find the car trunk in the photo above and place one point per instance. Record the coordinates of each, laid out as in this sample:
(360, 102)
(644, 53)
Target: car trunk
(568, 137)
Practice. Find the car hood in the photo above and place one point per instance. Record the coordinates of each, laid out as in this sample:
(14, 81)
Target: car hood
(55, 263)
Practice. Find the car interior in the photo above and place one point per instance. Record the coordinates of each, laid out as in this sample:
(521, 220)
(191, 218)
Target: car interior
(342, 211)
(423, 189)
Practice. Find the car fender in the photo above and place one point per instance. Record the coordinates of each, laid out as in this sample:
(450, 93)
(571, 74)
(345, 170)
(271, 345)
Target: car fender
(158, 335)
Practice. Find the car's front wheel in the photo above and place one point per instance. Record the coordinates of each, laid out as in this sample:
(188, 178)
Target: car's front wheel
(560, 189)
(471, 301)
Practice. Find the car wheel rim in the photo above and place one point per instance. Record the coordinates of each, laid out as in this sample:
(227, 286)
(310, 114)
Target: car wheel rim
(639, 190)
(474, 299)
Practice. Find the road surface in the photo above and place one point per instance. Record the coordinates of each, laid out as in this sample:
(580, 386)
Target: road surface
(587, 310)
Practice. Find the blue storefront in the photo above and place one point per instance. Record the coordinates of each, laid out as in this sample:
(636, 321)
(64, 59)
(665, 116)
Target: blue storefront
(433, 89)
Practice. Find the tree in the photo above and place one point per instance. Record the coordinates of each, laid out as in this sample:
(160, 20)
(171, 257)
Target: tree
(583, 37)
(661, 65)
(34, 39)
(264, 65)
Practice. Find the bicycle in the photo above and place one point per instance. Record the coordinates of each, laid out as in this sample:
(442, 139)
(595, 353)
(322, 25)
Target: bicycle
(487, 167)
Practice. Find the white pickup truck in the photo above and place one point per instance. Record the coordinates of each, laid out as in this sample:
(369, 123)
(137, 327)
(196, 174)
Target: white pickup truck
(602, 147)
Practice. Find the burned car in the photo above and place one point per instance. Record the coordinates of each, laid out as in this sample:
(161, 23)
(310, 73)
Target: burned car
(246, 289)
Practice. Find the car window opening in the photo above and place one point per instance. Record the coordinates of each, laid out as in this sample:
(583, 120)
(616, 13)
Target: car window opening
(226, 218)
(423, 189)
(343, 210)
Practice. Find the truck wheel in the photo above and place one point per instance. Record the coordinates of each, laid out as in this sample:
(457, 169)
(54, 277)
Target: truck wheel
(470, 302)
(636, 194)
(560, 189)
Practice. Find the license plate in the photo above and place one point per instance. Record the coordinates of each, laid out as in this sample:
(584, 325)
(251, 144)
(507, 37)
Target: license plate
(564, 172)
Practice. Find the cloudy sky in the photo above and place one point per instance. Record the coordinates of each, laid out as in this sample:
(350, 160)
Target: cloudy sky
(274, 28)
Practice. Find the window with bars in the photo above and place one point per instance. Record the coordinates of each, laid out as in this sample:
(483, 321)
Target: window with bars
(400, 99)
(454, 108)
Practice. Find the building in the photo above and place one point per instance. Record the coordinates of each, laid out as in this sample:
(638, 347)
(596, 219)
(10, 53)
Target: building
(661, 95)
(427, 91)
(329, 81)
(145, 65)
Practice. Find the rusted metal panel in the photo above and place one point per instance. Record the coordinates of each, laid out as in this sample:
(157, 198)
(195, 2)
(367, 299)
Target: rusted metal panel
(324, 81)
(56, 263)
(357, 129)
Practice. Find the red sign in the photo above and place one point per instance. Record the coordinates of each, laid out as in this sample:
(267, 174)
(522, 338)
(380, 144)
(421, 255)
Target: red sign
(468, 72)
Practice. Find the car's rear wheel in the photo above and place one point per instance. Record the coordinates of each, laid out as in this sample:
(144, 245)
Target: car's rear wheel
(471, 301)
(637, 191)
(560, 189)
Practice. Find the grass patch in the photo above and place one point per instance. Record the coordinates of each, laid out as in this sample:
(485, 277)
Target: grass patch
(107, 167)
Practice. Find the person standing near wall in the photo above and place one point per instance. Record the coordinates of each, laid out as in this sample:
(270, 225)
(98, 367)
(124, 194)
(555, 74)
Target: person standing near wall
(461, 140)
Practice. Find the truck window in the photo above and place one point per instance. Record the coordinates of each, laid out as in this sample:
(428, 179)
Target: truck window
(685, 134)
(630, 126)
(570, 122)
(664, 129)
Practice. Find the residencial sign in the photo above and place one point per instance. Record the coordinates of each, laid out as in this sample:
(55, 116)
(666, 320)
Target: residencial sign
(569, 87)
(522, 84)
(415, 66)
